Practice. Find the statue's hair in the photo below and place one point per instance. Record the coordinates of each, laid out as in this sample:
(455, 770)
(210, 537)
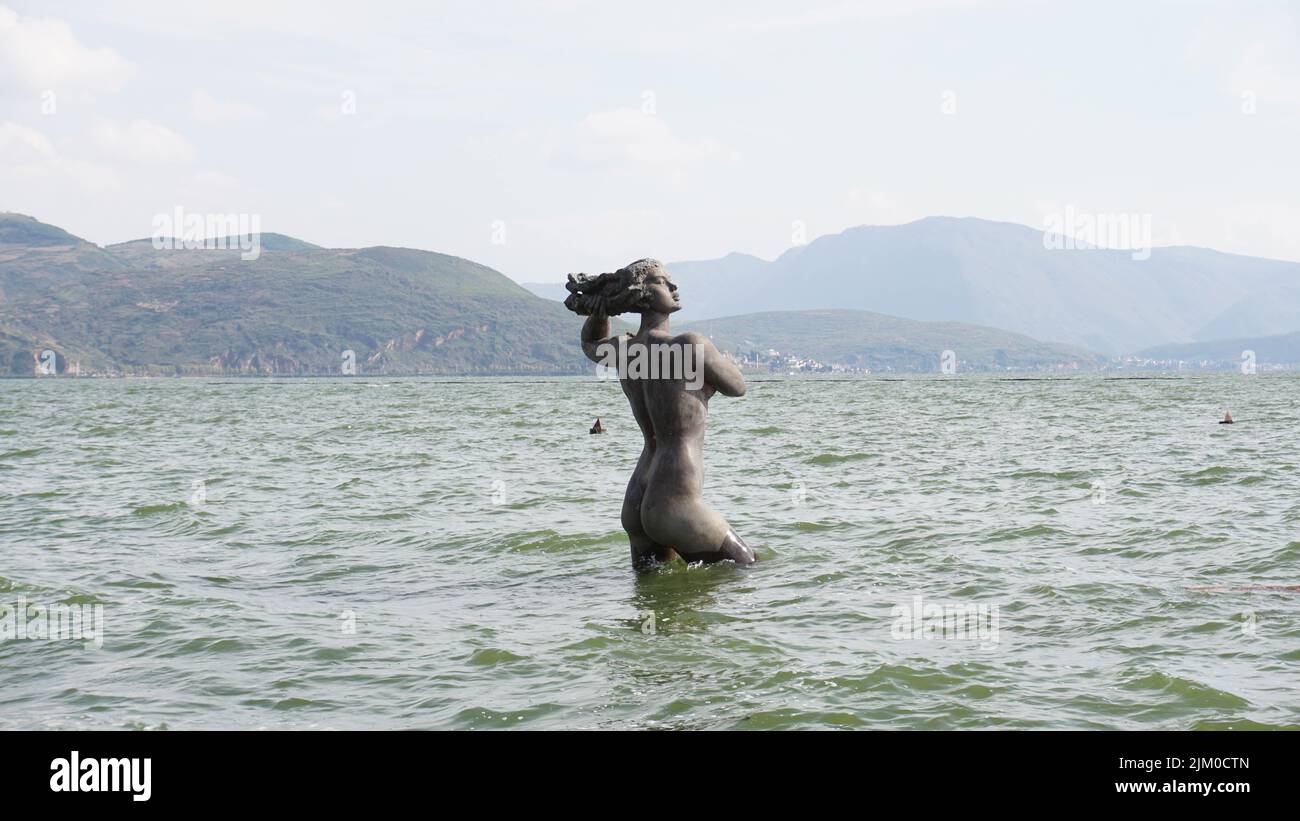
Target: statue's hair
(623, 291)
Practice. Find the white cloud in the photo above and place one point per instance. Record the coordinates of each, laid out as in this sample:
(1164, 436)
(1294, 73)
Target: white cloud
(208, 109)
(1270, 70)
(850, 12)
(215, 179)
(44, 54)
(28, 157)
(1257, 53)
(143, 142)
(19, 144)
(623, 136)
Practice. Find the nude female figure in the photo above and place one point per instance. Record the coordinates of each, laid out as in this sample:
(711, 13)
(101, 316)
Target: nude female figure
(663, 513)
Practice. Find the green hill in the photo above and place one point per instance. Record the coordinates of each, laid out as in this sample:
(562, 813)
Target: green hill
(131, 308)
(20, 229)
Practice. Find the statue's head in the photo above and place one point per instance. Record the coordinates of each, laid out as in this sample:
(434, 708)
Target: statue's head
(641, 287)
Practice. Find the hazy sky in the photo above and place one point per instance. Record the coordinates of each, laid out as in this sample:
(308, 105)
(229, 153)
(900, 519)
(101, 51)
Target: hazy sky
(546, 138)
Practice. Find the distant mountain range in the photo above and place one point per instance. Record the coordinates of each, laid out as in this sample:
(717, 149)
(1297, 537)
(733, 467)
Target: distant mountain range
(1000, 275)
(302, 309)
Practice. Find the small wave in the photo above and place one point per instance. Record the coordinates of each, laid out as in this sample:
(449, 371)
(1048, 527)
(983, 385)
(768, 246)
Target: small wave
(140, 584)
(1193, 692)
(548, 541)
(335, 653)
(1023, 533)
(492, 656)
(816, 527)
(163, 507)
(485, 718)
(42, 494)
(208, 645)
(1239, 724)
(24, 453)
(1050, 474)
(837, 458)
(787, 719)
(1208, 476)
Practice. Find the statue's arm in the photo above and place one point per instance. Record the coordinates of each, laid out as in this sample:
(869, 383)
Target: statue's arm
(595, 335)
(720, 373)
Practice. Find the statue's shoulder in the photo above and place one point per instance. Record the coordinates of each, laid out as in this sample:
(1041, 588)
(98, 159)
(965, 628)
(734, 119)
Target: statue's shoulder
(694, 338)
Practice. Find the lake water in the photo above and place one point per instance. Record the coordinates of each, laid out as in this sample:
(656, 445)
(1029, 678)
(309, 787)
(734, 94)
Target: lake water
(960, 552)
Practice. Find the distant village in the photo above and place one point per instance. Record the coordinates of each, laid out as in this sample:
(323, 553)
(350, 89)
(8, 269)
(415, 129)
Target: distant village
(773, 361)
(1138, 363)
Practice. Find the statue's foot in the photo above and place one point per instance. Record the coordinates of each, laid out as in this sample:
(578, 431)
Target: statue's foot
(733, 547)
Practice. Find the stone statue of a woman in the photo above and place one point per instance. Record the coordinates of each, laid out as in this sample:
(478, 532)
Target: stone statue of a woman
(668, 381)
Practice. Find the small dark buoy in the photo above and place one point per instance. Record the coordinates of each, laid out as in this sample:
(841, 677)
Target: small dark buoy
(597, 428)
